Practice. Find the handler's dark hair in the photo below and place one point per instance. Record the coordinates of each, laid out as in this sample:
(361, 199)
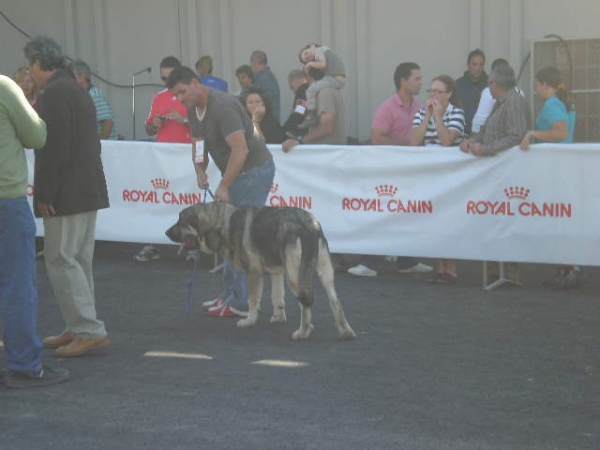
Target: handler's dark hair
(46, 51)
(403, 71)
(181, 74)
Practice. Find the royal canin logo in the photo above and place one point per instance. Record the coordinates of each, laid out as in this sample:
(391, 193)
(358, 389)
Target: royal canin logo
(160, 183)
(519, 205)
(160, 194)
(298, 201)
(385, 202)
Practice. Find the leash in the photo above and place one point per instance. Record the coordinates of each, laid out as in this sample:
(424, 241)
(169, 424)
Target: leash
(192, 281)
(212, 196)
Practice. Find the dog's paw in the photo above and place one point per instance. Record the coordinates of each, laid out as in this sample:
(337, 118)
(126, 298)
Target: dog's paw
(347, 334)
(302, 334)
(245, 323)
(279, 318)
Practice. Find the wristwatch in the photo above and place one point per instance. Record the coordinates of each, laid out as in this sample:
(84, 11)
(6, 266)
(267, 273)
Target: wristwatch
(186, 121)
(300, 139)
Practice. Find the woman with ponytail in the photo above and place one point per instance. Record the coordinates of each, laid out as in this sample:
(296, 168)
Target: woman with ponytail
(556, 121)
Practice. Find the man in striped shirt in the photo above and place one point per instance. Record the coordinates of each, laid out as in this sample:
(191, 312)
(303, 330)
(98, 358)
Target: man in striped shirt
(504, 128)
(509, 120)
(104, 115)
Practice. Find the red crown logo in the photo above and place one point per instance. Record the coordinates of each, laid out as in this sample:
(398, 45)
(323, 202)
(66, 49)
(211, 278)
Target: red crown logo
(386, 190)
(517, 192)
(274, 187)
(160, 183)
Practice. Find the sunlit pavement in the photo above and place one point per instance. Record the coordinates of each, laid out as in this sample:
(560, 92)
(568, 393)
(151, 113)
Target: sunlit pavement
(433, 367)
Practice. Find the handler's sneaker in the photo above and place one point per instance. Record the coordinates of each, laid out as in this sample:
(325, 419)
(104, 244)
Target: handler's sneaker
(146, 254)
(212, 303)
(417, 268)
(191, 255)
(226, 311)
(45, 377)
(362, 271)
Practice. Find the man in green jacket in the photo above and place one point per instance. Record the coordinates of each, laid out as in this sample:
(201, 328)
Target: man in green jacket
(20, 127)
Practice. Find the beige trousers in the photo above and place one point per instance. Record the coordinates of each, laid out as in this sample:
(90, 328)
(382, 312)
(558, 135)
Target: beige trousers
(69, 251)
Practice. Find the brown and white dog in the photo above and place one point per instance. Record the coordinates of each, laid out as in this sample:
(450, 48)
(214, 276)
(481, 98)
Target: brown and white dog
(285, 242)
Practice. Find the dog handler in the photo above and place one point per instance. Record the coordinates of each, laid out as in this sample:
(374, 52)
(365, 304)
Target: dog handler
(222, 129)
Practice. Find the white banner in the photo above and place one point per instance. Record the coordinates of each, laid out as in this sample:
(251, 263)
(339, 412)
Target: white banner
(537, 206)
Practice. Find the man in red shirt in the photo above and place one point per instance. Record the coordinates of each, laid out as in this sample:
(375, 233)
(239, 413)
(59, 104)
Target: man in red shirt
(168, 117)
(168, 120)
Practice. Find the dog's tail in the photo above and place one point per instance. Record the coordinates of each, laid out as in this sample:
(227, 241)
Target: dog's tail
(308, 263)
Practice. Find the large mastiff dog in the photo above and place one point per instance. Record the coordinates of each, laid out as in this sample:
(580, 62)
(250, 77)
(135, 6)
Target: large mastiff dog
(286, 242)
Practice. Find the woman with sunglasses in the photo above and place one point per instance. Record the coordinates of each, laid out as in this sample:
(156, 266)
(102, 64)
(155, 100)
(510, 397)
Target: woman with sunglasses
(441, 122)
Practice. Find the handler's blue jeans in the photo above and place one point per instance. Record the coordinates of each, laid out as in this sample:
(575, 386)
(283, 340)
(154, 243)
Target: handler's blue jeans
(18, 291)
(249, 189)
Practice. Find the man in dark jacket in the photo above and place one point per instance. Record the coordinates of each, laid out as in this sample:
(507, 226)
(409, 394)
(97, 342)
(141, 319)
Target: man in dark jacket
(298, 85)
(69, 190)
(470, 85)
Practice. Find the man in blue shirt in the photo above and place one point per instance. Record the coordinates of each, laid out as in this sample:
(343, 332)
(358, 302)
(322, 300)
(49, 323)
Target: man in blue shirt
(104, 114)
(264, 79)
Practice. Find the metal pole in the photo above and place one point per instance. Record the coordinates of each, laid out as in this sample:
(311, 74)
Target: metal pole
(133, 103)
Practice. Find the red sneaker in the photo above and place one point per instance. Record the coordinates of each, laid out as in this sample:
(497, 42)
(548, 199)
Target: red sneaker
(226, 311)
(212, 303)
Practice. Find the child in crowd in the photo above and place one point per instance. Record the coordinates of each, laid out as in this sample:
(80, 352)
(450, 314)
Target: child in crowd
(315, 56)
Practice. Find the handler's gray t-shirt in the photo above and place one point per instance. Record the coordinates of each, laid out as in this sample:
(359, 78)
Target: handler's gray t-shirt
(224, 116)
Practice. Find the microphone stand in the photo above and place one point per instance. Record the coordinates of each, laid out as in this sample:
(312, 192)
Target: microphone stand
(147, 69)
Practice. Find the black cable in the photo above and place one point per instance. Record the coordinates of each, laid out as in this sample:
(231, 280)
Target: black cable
(13, 25)
(122, 86)
(523, 66)
(566, 46)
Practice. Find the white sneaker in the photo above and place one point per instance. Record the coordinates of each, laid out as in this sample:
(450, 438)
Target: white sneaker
(191, 255)
(362, 271)
(418, 268)
(146, 254)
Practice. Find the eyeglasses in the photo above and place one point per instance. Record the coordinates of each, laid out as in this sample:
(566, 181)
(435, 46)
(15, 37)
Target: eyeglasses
(436, 91)
(164, 78)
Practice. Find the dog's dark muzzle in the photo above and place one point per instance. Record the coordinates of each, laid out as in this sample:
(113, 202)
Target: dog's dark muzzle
(174, 233)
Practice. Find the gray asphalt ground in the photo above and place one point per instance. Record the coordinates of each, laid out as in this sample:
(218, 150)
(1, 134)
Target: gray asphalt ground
(433, 367)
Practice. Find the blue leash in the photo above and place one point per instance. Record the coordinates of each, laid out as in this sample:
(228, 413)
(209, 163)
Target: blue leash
(190, 284)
